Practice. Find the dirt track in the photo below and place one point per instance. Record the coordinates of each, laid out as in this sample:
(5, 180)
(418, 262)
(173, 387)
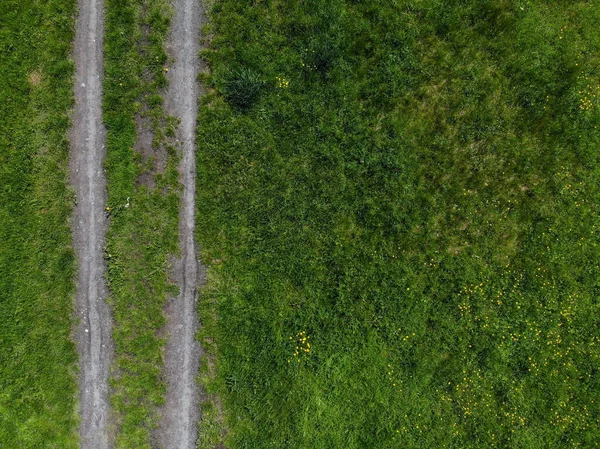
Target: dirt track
(181, 411)
(89, 227)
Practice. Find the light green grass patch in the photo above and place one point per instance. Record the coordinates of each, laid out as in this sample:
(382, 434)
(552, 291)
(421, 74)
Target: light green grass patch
(143, 230)
(37, 354)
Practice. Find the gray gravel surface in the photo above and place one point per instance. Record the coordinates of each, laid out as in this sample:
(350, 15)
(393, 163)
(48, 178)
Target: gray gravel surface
(89, 227)
(181, 412)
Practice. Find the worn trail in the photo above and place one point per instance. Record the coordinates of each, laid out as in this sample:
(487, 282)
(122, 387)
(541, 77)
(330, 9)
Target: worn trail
(89, 227)
(181, 411)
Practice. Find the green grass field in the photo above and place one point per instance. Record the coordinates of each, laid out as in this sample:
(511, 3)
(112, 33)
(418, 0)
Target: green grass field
(144, 211)
(413, 189)
(398, 203)
(37, 357)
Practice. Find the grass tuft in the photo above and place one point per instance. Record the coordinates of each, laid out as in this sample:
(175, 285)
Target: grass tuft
(242, 87)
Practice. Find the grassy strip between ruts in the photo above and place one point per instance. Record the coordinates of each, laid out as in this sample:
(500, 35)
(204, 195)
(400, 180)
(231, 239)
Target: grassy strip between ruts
(143, 200)
(398, 204)
(37, 354)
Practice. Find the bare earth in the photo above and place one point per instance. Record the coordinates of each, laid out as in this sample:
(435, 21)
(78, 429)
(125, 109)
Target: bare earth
(181, 412)
(89, 228)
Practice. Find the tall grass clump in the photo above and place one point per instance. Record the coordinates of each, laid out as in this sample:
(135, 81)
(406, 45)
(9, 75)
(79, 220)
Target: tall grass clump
(242, 87)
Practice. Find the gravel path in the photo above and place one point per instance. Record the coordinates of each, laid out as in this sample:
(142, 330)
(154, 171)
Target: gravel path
(89, 227)
(181, 411)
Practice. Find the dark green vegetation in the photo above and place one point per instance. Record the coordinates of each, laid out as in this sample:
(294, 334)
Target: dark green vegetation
(415, 186)
(143, 201)
(37, 356)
